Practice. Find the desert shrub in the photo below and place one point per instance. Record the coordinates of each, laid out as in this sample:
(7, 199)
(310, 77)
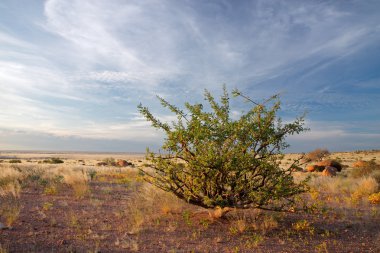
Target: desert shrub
(316, 155)
(53, 160)
(15, 161)
(10, 179)
(212, 160)
(364, 168)
(110, 161)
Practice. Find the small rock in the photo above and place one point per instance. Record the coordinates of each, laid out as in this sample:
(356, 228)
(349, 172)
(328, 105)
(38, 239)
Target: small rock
(123, 163)
(310, 168)
(329, 171)
(331, 163)
(315, 168)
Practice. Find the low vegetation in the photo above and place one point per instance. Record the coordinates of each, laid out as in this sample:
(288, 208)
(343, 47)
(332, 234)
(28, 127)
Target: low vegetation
(53, 160)
(366, 168)
(76, 207)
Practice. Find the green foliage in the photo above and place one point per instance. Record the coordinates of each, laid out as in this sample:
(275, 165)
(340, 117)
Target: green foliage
(212, 160)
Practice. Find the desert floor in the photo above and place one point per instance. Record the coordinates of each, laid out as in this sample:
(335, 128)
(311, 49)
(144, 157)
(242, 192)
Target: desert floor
(79, 206)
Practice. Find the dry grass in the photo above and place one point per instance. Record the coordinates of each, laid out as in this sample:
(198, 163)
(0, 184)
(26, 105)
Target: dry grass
(149, 204)
(77, 180)
(266, 223)
(10, 208)
(48, 176)
(9, 194)
(9, 183)
(342, 191)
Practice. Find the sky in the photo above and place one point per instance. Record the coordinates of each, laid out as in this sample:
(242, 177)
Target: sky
(72, 72)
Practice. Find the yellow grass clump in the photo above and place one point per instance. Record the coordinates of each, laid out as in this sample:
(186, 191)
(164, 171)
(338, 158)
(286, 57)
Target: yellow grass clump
(9, 183)
(148, 204)
(366, 186)
(351, 190)
(77, 179)
(374, 198)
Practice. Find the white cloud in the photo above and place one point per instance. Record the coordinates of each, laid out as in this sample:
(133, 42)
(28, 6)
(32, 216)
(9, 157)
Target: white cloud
(149, 44)
(98, 57)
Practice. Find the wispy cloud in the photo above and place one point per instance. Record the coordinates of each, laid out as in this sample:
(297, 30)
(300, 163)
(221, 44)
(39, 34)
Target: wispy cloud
(89, 63)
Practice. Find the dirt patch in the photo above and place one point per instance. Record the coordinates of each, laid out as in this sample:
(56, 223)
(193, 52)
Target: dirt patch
(62, 223)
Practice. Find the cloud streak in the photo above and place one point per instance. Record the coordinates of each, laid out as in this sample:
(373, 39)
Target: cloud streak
(89, 63)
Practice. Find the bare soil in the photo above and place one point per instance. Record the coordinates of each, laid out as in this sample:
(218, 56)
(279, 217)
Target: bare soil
(96, 224)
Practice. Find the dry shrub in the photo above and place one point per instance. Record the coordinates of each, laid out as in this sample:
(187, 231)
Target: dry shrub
(316, 155)
(9, 193)
(366, 186)
(9, 181)
(364, 168)
(351, 189)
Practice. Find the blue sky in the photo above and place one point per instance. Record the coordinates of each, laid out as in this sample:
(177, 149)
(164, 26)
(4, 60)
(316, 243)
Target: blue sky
(72, 72)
